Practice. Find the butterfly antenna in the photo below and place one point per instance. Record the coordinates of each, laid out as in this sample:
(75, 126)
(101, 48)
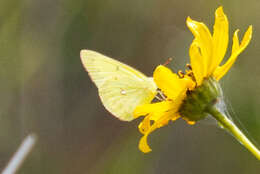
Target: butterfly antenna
(168, 61)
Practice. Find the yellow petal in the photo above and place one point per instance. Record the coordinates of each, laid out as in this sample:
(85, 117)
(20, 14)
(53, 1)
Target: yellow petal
(222, 70)
(175, 117)
(145, 125)
(143, 145)
(196, 61)
(247, 37)
(235, 45)
(204, 40)
(167, 81)
(220, 39)
(155, 116)
(170, 83)
(154, 107)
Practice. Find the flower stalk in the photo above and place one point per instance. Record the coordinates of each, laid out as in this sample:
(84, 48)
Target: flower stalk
(234, 130)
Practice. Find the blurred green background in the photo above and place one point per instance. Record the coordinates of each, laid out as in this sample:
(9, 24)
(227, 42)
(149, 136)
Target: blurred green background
(44, 88)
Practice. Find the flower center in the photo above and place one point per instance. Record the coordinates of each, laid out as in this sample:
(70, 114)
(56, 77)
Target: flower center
(195, 105)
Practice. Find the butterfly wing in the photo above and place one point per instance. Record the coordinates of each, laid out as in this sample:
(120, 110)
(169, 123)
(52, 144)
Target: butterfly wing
(121, 87)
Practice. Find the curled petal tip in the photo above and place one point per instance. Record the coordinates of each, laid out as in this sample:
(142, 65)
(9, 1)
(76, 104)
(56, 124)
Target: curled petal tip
(143, 146)
(219, 12)
(236, 32)
(247, 36)
(219, 9)
(250, 29)
(191, 23)
(188, 20)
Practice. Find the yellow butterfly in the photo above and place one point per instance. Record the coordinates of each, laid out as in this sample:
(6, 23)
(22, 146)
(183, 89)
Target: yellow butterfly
(121, 88)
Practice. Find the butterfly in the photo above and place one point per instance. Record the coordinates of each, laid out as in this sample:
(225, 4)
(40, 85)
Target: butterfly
(121, 88)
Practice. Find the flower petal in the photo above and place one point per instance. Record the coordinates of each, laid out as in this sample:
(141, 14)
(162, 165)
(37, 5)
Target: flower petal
(154, 107)
(222, 70)
(143, 145)
(196, 61)
(145, 125)
(169, 82)
(235, 45)
(220, 39)
(204, 40)
(247, 37)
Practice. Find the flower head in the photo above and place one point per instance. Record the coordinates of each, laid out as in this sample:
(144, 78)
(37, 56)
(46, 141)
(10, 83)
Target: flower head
(188, 96)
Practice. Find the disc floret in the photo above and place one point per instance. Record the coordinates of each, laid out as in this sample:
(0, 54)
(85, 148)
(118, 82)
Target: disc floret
(194, 106)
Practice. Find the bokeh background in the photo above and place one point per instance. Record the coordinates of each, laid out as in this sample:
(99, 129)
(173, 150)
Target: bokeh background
(44, 88)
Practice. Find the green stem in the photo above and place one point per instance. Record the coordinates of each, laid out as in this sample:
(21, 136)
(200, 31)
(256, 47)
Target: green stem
(231, 127)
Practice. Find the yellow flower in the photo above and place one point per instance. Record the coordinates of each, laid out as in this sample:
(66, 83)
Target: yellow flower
(199, 84)
(207, 51)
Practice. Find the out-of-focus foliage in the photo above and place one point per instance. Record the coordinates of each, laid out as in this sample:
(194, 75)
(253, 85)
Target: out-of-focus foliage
(45, 89)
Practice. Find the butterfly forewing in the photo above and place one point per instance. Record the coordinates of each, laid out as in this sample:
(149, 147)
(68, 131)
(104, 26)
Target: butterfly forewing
(101, 68)
(121, 87)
